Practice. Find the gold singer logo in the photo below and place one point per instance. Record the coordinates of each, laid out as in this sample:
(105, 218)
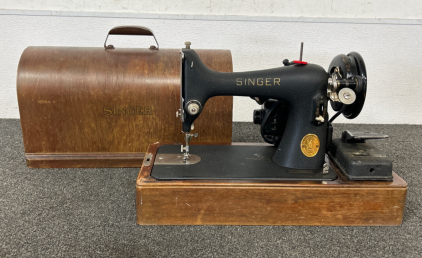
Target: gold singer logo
(257, 81)
(136, 111)
(310, 145)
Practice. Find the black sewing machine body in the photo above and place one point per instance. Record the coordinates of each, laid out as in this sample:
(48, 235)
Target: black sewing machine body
(302, 87)
(293, 119)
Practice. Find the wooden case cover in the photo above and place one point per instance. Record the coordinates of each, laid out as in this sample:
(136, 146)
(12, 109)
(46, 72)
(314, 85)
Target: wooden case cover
(96, 107)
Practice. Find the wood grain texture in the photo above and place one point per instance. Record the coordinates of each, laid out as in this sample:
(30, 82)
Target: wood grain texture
(85, 160)
(235, 202)
(90, 100)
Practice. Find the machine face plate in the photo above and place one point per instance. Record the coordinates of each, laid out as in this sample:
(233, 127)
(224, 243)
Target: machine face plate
(231, 162)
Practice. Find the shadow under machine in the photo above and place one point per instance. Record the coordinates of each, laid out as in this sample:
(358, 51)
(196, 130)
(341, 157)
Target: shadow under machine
(220, 183)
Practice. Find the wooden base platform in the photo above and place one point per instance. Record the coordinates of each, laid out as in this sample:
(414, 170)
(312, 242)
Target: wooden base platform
(227, 202)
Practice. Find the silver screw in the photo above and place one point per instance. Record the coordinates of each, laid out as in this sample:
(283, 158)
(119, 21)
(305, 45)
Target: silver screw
(346, 95)
(187, 44)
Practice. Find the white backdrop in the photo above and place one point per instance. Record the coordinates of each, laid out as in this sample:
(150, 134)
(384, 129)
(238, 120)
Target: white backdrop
(391, 48)
(384, 9)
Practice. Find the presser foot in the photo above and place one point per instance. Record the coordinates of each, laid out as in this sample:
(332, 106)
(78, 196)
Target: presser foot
(185, 149)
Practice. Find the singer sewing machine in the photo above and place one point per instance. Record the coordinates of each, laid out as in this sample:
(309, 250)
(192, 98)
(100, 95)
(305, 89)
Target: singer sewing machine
(299, 165)
(293, 118)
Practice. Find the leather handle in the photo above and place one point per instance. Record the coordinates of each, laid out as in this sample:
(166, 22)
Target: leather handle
(130, 30)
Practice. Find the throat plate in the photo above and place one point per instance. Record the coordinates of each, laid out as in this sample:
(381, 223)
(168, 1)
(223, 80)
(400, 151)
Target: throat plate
(175, 159)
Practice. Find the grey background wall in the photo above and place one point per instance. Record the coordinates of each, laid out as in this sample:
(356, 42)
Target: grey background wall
(260, 35)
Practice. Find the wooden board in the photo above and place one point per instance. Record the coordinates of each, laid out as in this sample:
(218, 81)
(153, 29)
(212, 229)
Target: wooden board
(91, 107)
(223, 202)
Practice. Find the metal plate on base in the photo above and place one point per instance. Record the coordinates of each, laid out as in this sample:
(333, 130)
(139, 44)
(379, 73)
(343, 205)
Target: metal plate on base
(231, 162)
(175, 159)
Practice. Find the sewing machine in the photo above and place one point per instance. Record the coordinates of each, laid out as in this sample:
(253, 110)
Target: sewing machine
(293, 119)
(301, 176)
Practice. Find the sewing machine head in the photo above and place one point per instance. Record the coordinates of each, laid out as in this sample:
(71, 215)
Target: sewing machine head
(294, 101)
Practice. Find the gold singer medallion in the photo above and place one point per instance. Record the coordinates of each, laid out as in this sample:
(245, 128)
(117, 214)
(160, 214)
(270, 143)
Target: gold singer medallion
(310, 145)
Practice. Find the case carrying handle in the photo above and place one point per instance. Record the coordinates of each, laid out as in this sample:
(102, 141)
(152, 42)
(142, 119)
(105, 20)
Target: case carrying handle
(130, 30)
